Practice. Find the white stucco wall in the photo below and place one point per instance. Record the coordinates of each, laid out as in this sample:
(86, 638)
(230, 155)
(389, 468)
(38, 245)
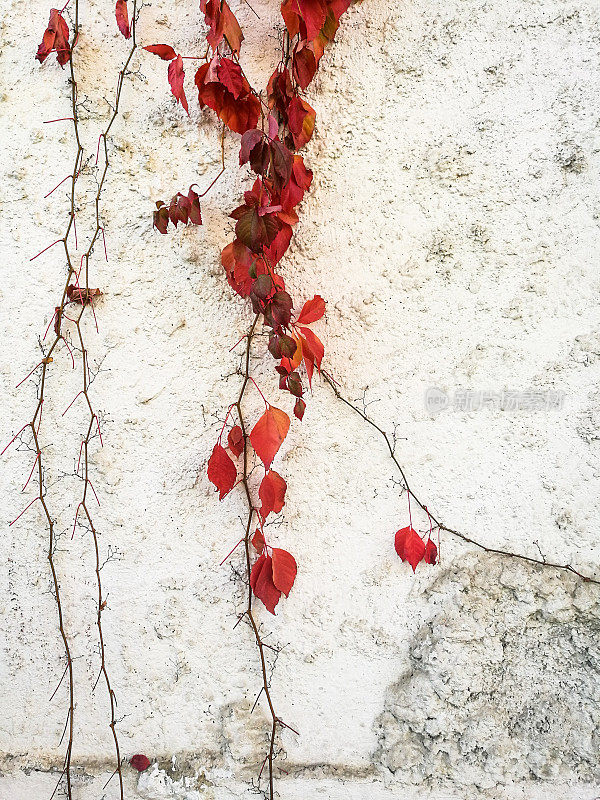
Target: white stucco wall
(453, 226)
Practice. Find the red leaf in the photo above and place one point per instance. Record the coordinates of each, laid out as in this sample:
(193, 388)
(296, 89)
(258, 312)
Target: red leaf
(176, 75)
(258, 541)
(223, 24)
(221, 470)
(268, 434)
(235, 440)
(122, 16)
(301, 120)
(140, 762)
(409, 546)
(55, 38)
(284, 570)
(299, 408)
(431, 553)
(163, 51)
(239, 114)
(231, 77)
(316, 351)
(261, 583)
(272, 493)
(305, 66)
(276, 249)
(312, 311)
(314, 13)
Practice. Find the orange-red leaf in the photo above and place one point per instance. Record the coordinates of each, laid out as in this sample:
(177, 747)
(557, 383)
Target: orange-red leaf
(315, 348)
(235, 440)
(312, 310)
(272, 493)
(221, 470)
(261, 583)
(176, 75)
(268, 434)
(284, 570)
(122, 16)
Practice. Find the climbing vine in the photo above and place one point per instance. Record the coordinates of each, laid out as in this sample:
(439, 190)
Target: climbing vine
(274, 123)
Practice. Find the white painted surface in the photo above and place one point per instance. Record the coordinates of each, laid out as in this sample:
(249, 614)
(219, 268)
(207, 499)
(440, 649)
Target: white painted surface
(453, 228)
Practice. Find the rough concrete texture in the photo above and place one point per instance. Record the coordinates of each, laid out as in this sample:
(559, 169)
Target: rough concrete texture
(453, 226)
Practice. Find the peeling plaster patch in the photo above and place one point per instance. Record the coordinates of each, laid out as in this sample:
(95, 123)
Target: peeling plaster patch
(503, 681)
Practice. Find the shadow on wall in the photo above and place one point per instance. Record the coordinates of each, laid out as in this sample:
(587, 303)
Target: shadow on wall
(503, 683)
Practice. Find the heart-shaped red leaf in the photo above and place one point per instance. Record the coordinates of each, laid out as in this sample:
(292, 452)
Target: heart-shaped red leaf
(312, 310)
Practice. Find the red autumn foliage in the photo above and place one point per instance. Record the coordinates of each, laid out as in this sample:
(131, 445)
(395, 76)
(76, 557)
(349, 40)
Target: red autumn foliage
(122, 16)
(221, 470)
(55, 39)
(268, 434)
(273, 575)
(175, 71)
(410, 547)
(222, 23)
(181, 209)
(222, 87)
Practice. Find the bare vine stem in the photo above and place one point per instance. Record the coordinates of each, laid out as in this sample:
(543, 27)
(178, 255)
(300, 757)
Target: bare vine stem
(84, 296)
(437, 523)
(251, 510)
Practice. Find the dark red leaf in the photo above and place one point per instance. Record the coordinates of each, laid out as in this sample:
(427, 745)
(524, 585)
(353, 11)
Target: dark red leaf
(235, 440)
(258, 541)
(261, 583)
(231, 77)
(431, 552)
(268, 434)
(140, 762)
(305, 66)
(122, 16)
(299, 408)
(284, 570)
(221, 470)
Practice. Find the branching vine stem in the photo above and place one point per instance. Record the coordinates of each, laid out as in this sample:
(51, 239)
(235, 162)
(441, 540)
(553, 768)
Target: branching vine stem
(93, 426)
(437, 523)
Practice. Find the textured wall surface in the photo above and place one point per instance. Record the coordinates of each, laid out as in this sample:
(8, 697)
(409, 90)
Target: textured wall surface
(453, 226)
